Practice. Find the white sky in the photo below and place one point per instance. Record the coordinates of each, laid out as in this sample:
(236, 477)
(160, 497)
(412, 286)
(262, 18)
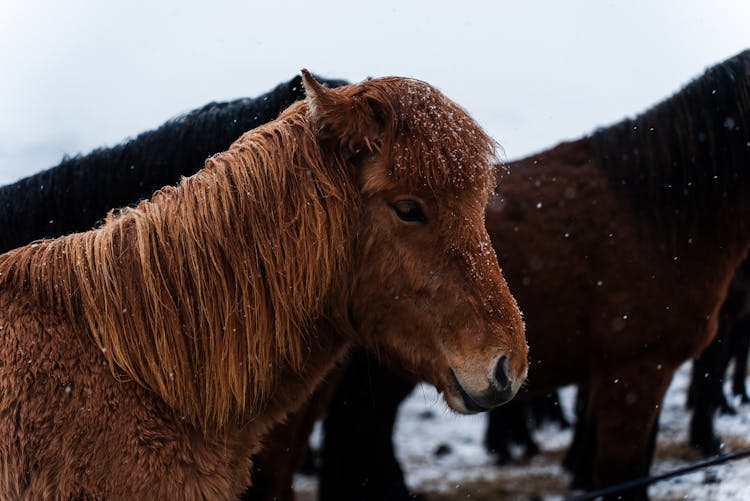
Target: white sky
(79, 74)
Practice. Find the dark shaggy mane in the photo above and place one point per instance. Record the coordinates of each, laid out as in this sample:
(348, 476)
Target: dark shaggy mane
(685, 161)
(77, 193)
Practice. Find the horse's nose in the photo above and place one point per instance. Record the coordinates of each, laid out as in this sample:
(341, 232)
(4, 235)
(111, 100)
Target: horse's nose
(501, 377)
(499, 391)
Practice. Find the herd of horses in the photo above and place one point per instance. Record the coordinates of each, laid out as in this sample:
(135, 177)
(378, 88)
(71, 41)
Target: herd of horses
(324, 260)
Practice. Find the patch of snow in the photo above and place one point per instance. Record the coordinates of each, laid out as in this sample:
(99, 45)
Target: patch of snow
(425, 425)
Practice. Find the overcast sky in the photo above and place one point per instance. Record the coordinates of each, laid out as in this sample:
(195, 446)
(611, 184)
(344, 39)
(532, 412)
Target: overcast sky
(78, 74)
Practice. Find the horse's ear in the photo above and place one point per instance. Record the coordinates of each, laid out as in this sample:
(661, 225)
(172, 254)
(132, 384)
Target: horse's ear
(350, 122)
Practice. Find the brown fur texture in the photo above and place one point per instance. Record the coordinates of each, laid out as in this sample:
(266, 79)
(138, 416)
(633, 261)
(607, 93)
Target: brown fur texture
(148, 357)
(621, 247)
(610, 308)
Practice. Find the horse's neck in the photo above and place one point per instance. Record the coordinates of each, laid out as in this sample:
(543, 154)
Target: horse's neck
(292, 391)
(324, 352)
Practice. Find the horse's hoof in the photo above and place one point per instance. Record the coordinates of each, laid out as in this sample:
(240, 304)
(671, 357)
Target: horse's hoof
(707, 448)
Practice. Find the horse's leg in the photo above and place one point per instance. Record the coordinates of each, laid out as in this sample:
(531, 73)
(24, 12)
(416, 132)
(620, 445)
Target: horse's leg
(727, 356)
(521, 431)
(741, 337)
(625, 405)
(546, 408)
(358, 460)
(579, 460)
(696, 375)
(507, 425)
(707, 392)
(497, 437)
(553, 411)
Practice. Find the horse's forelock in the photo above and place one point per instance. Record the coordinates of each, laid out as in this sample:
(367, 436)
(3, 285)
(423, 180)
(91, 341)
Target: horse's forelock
(429, 142)
(435, 143)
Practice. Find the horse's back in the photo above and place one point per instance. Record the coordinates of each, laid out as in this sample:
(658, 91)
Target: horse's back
(563, 224)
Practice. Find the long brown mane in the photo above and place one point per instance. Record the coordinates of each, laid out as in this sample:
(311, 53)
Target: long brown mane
(202, 293)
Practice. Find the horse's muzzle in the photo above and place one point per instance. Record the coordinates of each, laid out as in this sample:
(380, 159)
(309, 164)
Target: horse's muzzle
(499, 391)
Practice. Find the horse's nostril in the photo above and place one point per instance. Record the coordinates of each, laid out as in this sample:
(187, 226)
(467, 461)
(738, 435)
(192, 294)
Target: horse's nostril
(502, 379)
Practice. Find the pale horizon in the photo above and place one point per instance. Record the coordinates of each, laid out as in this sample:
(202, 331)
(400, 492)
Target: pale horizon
(78, 75)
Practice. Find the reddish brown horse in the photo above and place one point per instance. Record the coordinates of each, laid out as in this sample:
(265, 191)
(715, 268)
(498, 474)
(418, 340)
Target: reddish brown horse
(148, 357)
(623, 247)
(620, 248)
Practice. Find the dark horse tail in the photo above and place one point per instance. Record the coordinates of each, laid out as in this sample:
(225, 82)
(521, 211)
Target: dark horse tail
(685, 161)
(77, 193)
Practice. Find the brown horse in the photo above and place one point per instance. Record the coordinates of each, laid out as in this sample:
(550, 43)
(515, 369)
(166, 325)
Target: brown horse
(619, 248)
(148, 357)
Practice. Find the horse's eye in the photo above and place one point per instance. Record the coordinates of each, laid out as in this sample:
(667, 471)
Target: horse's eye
(409, 211)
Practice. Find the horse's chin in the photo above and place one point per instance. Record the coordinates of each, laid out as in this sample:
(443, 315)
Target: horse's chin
(466, 401)
(457, 404)
(461, 400)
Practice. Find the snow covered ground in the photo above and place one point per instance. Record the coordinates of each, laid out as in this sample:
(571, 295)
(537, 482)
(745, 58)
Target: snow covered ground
(468, 472)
